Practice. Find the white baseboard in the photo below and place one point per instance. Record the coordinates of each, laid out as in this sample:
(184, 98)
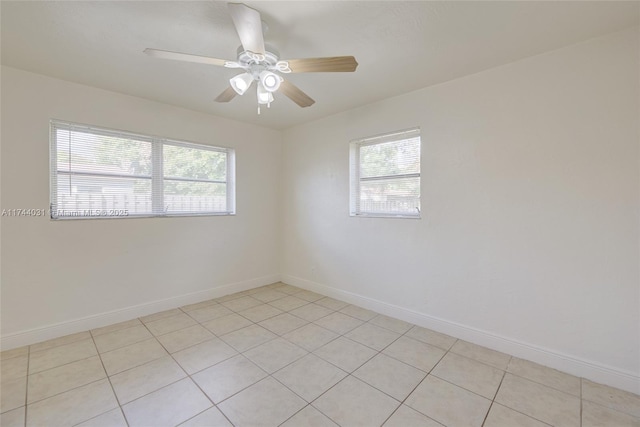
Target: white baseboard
(573, 365)
(48, 332)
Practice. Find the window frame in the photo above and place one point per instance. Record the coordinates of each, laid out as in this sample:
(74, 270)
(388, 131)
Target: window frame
(355, 178)
(156, 177)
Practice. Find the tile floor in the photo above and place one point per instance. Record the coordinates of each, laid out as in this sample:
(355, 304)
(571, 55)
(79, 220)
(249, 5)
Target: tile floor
(279, 355)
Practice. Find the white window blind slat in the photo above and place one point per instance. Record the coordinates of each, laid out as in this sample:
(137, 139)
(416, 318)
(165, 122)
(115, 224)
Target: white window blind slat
(385, 175)
(97, 173)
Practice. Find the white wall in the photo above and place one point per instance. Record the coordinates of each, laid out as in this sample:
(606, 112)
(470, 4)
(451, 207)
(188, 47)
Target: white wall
(530, 200)
(60, 271)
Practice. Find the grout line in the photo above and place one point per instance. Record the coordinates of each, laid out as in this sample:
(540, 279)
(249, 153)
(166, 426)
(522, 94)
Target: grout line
(493, 400)
(26, 387)
(110, 384)
(581, 401)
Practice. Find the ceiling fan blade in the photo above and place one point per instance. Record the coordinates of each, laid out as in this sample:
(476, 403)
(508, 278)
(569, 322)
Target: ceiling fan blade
(227, 95)
(249, 27)
(295, 94)
(177, 56)
(323, 65)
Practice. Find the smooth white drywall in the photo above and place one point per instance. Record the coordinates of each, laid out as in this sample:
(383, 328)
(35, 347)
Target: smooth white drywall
(58, 271)
(530, 201)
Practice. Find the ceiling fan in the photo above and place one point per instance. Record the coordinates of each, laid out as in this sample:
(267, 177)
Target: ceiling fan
(261, 64)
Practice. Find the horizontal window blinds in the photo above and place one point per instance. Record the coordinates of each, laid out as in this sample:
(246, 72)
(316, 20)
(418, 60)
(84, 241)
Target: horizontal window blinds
(385, 175)
(104, 173)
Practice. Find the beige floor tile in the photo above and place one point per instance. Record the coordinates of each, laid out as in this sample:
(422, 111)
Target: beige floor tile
(353, 403)
(260, 312)
(469, 374)
(229, 377)
(229, 297)
(308, 296)
(63, 378)
(246, 338)
(373, 336)
(211, 312)
(358, 312)
(266, 403)
(310, 376)
(339, 323)
(242, 303)
(431, 337)
(132, 355)
(255, 290)
(287, 289)
(13, 368)
(309, 417)
(15, 352)
(345, 354)
(415, 353)
(212, 417)
(311, 312)
(481, 354)
(170, 324)
(538, 401)
(283, 323)
(268, 295)
(13, 393)
(112, 418)
(61, 355)
(310, 337)
(13, 418)
(288, 303)
(74, 406)
(203, 355)
(198, 305)
(161, 315)
(141, 380)
(121, 338)
(390, 376)
(543, 375)
(224, 325)
(115, 327)
(501, 416)
(179, 340)
(275, 354)
(610, 397)
(407, 417)
(395, 325)
(331, 303)
(67, 339)
(168, 406)
(448, 404)
(594, 415)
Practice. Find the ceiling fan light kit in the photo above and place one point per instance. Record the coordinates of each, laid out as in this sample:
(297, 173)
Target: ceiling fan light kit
(241, 83)
(261, 64)
(271, 81)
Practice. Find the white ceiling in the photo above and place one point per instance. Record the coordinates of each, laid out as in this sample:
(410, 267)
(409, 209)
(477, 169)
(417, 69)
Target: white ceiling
(400, 46)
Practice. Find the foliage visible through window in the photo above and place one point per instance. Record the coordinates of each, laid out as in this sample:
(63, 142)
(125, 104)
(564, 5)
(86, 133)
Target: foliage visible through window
(105, 173)
(385, 175)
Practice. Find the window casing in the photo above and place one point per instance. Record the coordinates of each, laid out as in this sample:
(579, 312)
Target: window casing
(385, 175)
(104, 173)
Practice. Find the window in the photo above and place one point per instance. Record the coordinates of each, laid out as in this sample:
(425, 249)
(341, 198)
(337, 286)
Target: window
(385, 175)
(98, 173)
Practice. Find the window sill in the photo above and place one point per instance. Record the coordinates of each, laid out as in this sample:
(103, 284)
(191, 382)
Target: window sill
(109, 217)
(382, 215)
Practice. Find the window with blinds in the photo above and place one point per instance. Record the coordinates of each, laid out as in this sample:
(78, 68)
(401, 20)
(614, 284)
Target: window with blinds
(103, 173)
(385, 175)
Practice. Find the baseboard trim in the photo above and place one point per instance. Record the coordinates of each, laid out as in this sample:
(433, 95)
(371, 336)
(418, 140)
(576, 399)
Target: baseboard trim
(32, 336)
(570, 364)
